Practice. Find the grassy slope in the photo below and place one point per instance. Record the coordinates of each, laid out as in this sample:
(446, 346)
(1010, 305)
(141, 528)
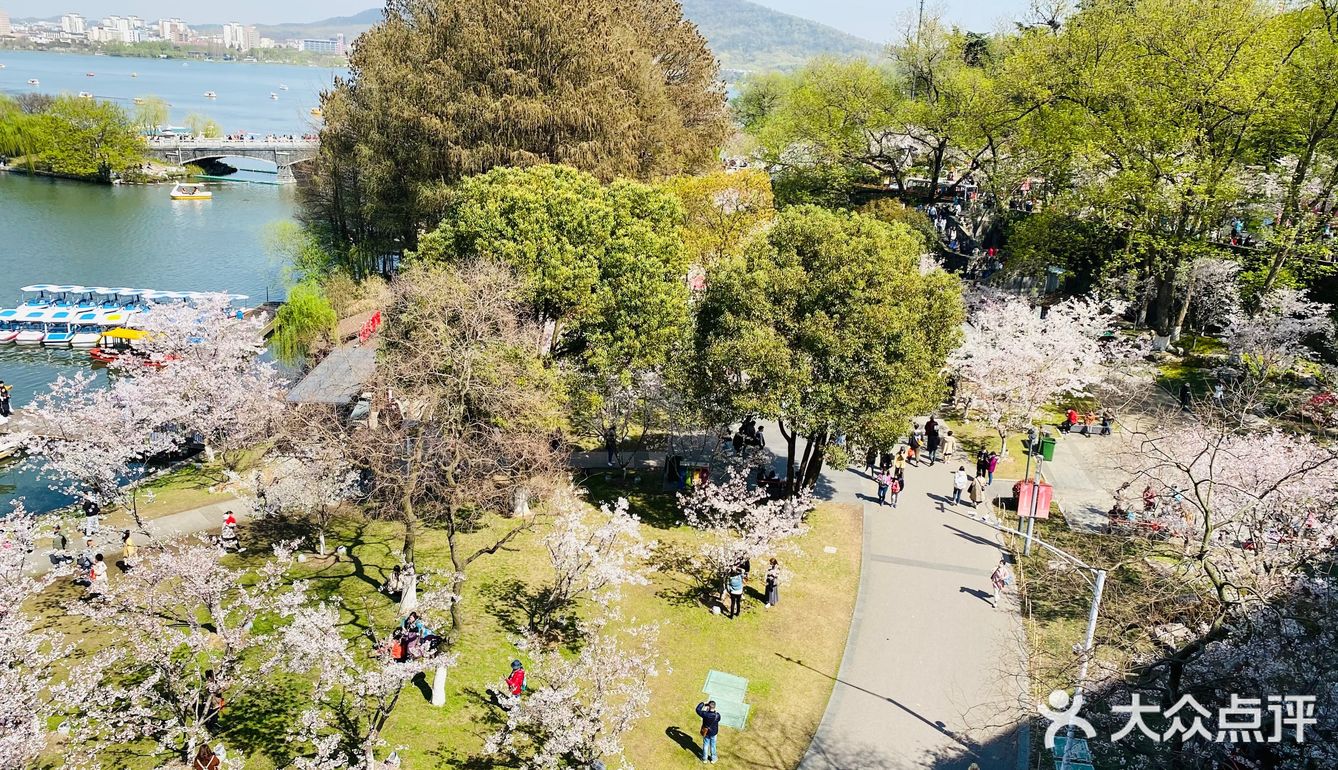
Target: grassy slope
(790, 653)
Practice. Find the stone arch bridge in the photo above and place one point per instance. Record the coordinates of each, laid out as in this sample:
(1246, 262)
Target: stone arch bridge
(283, 153)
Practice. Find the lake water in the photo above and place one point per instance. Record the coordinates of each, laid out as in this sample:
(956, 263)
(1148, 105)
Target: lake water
(55, 231)
(242, 105)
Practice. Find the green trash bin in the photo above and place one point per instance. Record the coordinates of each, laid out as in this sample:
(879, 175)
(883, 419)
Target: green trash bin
(1048, 448)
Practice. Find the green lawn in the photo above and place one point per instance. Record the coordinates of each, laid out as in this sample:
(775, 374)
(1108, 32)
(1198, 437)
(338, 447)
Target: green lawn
(789, 653)
(977, 435)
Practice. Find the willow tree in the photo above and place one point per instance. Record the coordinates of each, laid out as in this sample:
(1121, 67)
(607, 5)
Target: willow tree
(444, 89)
(828, 325)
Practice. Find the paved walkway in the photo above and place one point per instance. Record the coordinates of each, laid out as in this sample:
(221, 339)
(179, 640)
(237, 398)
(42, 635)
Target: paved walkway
(932, 676)
(202, 519)
(1088, 469)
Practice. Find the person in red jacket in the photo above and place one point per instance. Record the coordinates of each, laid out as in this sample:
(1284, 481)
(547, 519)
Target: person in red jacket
(516, 682)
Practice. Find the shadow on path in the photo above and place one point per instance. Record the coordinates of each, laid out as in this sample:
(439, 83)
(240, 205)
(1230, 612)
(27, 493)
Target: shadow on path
(983, 595)
(973, 538)
(937, 725)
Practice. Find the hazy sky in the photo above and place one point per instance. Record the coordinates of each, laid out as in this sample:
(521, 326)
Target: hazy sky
(873, 19)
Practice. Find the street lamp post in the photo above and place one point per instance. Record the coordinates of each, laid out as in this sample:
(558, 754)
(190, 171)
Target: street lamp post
(1098, 583)
(1032, 437)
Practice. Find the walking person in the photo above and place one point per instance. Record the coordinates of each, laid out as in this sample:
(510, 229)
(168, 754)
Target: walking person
(913, 445)
(894, 488)
(870, 460)
(899, 462)
(960, 481)
(977, 491)
(982, 463)
(760, 439)
(6, 391)
(773, 584)
(710, 728)
(884, 481)
(991, 463)
(1000, 579)
(949, 446)
(611, 446)
(734, 587)
(91, 511)
(1184, 396)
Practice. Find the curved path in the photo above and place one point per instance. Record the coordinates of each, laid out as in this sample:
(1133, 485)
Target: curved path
(932, 675)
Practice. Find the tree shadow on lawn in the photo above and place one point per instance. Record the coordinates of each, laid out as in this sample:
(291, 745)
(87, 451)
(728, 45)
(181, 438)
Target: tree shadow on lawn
(645, 498)
(260, 722)
(487, 718)
(675, 562)
(518, 608)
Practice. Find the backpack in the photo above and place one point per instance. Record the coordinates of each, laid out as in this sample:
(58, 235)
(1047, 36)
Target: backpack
(895, 487)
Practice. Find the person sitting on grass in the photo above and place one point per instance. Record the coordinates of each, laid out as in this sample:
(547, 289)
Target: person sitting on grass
(417, 637)
(512, 690)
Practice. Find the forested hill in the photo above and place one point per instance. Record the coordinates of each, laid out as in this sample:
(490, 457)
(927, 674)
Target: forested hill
(752, 37)
(744, 35)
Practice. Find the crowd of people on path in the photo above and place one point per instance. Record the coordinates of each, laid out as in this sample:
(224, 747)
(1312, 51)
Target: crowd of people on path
(926, 446)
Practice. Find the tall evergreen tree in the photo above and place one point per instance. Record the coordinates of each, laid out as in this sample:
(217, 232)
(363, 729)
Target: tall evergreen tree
(444, 89)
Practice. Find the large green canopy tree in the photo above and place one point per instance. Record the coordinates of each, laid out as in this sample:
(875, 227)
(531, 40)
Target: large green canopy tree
(828, 325)
(603, 273)
(444, 89)
(1160, 100)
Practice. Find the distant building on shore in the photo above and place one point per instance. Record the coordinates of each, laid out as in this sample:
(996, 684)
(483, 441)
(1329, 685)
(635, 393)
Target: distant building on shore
(5, 30)
(334, 45)
(73, 24)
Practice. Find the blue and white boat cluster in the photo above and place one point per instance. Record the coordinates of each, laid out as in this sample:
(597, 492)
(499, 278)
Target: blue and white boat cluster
(63, 315)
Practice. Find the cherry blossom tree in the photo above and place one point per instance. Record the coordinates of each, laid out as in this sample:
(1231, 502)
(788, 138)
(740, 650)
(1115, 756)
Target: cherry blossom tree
(1211, 292)
(1254, 509)
(91, 441)
(205, 384)
(740, 523)
(308, 479)
(1013, 362)
(182, 625)
(30, 650)
(579, 709)
(356, 687)
(1275, 337)
(212, 384)
(594, 559)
